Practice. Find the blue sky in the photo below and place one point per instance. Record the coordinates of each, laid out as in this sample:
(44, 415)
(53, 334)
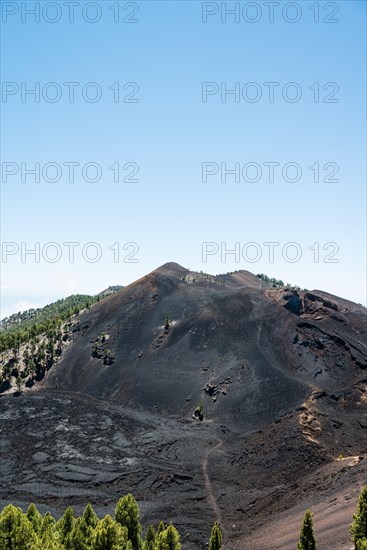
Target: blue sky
(170, 132)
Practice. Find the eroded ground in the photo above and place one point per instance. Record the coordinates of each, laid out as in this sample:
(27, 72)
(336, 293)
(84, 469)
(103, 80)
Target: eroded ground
(62, 449)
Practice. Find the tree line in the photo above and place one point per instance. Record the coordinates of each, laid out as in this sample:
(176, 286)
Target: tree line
(32, 341)
(23, 327)
(32, 531)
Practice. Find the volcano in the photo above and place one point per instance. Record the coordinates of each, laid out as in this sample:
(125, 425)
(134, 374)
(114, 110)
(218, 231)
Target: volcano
(280, 376)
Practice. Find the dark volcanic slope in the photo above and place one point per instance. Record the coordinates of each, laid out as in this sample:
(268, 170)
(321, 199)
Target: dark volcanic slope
(283, 381)
(268, 349)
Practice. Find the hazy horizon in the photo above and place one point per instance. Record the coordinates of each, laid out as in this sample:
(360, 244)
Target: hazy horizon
(135, 137)
(29, 301)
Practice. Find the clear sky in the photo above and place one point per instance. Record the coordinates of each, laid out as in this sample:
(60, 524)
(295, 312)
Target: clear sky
(162, 70)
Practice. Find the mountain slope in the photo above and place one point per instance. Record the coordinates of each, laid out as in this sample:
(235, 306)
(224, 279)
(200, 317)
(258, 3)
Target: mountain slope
(281, 375)
(258, 345)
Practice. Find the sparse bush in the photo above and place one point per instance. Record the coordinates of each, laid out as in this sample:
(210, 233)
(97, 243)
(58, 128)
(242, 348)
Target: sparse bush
(199, 413)
(19, 382)
(107, 356)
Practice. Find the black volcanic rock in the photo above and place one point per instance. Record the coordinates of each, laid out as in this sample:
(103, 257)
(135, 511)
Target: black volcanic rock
(224, 322)
(293, 302)
(280, 374)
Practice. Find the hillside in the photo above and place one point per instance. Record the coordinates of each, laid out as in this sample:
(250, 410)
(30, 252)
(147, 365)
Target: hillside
(32, 341)
(281, 375)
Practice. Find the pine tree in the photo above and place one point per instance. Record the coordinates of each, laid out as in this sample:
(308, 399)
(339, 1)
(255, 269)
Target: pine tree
(16, 531)
(169, 539)
(215, 542)
(51, 541)
(34, 517)
(109, 535)
(48, 521)
(49, 535)
(307, 539)
(358, 528)
(65, 524)
(78, 539)
(90, 517)
(127, 514)
(149, 538)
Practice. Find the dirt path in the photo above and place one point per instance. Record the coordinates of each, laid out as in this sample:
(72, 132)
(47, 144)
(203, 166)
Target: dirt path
(208, 486)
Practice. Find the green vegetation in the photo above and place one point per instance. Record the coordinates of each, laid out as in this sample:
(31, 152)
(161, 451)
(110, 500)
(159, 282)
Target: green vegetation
(16, 531)
(358, 528)
(128, 515)
(31, 531)
(307, 539)
(168, 539)
(26, 326)
(167, 323)
(276, 283)
(270, 280)
(215, 542)
(32, 341)
(149, 538)
(107, 356)
(19, 382)
(199, 412)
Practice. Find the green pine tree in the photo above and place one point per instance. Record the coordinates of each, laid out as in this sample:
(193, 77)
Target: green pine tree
(34, 517)
(90, 517)
(127, 514)
(109, 535)
(358, 528)
(50, 537)
(48, 522)
(65, 524)
(149, 538)
(215, 542)
(79, 538)
(169, 539)
(307, 539)
(16, 531)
